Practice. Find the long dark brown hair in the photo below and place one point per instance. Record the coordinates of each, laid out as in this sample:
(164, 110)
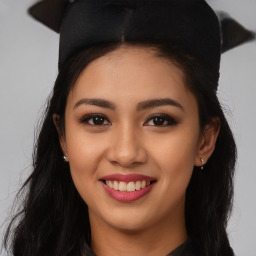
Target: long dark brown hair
(54, 218)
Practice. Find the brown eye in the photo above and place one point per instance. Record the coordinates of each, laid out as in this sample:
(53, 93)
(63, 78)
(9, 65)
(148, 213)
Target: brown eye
(160, 120)
(95, 119)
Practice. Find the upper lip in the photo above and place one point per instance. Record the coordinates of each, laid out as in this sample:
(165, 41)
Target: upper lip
(127, 178)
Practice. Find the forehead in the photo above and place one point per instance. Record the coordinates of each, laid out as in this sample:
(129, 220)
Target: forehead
(131, 74)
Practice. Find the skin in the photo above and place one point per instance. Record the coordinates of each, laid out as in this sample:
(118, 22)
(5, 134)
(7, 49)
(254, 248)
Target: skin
(128, 141)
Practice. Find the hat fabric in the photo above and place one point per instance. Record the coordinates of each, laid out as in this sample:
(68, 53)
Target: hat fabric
(192, 24)
(52, 13)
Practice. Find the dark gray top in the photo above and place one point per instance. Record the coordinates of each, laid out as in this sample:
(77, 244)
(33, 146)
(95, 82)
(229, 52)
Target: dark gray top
(186, 249)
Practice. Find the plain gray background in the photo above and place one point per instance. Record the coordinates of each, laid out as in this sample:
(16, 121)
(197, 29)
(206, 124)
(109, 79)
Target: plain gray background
(28, 68)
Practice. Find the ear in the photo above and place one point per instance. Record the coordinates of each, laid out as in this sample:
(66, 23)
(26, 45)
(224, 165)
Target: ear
(62, 139)
(207, 141)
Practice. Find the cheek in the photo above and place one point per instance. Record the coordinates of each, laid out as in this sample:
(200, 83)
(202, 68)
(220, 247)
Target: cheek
(179, 148)
(83, 148)
(84, 153)
(175, 156)
(83, 167)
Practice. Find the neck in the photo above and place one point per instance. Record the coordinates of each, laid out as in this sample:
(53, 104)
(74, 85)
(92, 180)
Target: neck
(159, 239)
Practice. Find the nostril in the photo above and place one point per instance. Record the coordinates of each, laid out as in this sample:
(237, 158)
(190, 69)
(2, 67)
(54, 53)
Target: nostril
(126, 152)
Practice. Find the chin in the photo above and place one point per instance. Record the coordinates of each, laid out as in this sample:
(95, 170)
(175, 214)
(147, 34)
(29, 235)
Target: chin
(126, 220)
(130, 226)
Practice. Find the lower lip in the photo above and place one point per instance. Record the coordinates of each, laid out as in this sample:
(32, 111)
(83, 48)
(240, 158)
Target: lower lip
(127, 196)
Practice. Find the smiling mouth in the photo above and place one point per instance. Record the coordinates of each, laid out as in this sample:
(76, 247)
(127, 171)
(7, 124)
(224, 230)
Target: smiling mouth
(127, 186)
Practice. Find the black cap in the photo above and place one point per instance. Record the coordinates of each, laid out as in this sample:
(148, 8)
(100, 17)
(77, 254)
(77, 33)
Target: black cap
(233, 33)
(191, 24)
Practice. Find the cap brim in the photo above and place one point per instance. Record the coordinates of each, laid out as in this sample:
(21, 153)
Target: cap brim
(49, 12)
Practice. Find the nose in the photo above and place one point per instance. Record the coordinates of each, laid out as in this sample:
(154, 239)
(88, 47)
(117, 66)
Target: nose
(126, 148)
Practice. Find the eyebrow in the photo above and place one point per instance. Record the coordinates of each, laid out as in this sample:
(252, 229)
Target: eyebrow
(96, 102)
(157, 103)
(141, 106)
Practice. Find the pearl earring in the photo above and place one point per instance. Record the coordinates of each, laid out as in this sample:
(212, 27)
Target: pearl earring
(65, 158)
(202, 161)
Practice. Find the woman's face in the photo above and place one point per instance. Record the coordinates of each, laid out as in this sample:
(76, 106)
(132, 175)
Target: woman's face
(130, 122)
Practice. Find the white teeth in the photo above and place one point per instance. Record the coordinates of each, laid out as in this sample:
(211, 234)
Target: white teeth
(129, 187)
(110, 184)
(137, 185)
(116, 185)
(122, 186)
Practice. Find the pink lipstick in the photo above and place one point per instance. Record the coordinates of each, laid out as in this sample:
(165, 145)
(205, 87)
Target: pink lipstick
(127, 188)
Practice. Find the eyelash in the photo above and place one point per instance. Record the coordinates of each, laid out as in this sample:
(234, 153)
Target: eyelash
(87, 118)
(162, 118)
(166, 118)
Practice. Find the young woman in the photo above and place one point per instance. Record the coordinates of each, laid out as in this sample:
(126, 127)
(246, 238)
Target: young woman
(134, 156)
